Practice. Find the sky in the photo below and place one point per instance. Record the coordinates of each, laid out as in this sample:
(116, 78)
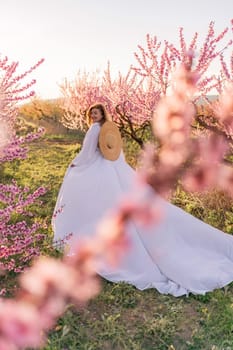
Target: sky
(86, 34)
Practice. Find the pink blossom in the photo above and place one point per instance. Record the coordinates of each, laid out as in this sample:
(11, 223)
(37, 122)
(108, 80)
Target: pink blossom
(47, 274)
(172, 118)
(225, 111)
(145, 210)
(113, 239)
(21, 322)
(66, 280)
(206, 169)
(225, 179)
(7, 344)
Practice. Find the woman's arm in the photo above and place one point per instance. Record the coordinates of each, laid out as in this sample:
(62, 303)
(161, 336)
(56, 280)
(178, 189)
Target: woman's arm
(89, 146)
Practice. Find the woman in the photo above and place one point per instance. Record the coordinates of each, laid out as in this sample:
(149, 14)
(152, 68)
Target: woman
(179, 255)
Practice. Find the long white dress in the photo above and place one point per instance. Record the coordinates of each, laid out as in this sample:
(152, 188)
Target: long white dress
(179, 255)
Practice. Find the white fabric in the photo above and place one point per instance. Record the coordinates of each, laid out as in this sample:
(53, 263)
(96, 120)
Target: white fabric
(180, 255)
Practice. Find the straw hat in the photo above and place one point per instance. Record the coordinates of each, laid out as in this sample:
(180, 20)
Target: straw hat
(110, 143)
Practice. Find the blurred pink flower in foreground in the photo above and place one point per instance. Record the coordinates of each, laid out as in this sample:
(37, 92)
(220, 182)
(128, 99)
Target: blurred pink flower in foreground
(206, 168)
(225, 113)
(21, 324)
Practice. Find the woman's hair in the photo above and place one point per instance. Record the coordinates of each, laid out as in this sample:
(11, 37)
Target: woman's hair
(103, 111)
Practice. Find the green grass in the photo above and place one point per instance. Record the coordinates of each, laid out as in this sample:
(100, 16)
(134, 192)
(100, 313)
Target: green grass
(122, 317)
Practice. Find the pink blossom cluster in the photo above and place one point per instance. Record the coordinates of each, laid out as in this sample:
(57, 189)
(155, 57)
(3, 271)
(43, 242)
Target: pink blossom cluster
(19, 232)
(78, 95)
(14, 150)
(130, 97)
(133, 98)
(125, 97)
(11, 92)
(226, 108)
(220, 109)
(20, 240)
(198, 160)
(155, 62)
(9, 82)
(160, 61)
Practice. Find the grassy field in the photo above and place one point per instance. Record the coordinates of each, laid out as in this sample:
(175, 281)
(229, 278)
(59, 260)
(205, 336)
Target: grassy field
(122, 317)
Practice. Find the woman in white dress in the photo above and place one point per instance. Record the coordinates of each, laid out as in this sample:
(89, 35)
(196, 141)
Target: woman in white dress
(179, 255)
